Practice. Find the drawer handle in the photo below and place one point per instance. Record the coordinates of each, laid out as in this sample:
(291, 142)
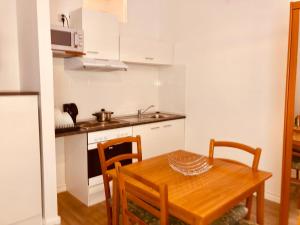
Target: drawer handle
(92, 52)
(154, 128)
(110, 147)
(169, 125)
(149, 58)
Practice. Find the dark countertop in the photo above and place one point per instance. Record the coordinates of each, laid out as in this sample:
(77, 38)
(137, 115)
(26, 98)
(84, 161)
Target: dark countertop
(117, 122)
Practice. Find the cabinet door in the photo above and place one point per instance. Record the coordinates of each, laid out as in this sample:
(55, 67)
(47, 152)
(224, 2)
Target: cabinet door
(145, 51)
(150, 138)
(160, 138)
(173, 133)
(101, 33)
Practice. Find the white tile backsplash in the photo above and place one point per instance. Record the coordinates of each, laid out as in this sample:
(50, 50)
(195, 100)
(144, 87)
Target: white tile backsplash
(119, 91)
(172, 89)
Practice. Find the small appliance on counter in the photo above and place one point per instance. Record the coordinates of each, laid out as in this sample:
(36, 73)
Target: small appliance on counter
(66, 121)
(72, 109)
(103, 115)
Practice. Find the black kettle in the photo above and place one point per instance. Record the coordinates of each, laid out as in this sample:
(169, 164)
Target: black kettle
(72, 109)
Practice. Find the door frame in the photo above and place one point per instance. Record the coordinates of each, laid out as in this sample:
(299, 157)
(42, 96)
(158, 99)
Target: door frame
(289, 111)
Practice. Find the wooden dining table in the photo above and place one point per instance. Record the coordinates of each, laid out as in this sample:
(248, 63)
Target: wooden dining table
(203, 198)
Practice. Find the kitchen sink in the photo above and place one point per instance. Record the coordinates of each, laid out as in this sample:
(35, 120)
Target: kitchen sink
(158, 116)
(146, 117)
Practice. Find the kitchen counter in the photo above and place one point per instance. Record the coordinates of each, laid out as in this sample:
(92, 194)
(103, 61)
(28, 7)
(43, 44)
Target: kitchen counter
(118, 122)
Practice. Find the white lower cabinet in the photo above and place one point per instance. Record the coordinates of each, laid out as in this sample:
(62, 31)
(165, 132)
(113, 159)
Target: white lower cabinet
(162, 137)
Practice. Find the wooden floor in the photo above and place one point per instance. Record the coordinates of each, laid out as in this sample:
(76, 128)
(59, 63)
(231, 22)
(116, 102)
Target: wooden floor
(294, 202)
(73, 212)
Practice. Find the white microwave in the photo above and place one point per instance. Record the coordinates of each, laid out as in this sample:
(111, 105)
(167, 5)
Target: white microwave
(66, 39)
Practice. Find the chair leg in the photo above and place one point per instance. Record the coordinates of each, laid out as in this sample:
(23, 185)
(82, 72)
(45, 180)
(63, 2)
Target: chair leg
(109, 212)
(249, 206)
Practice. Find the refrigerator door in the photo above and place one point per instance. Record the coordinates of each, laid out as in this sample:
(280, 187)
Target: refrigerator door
(20, 171)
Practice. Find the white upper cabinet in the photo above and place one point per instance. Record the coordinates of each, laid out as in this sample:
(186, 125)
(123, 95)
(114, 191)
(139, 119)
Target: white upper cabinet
(101, 33)
(145, 51)
(117, 8)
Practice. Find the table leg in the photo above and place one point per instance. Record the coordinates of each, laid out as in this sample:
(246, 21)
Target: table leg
(260, 204)
(115, 203)
(249, 201)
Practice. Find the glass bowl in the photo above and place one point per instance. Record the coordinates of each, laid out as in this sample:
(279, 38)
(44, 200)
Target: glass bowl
(188, 164)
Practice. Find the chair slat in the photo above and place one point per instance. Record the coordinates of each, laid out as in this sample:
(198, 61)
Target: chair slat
(120, 158)
(129, 189)
(143, 205)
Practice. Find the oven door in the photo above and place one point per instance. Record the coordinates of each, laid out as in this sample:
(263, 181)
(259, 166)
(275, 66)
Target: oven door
(94, 167)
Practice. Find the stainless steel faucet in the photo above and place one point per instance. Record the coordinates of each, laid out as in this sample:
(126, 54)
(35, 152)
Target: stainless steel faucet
(141, 111)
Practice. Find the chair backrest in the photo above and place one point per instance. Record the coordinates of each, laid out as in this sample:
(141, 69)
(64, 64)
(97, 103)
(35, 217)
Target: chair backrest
(130, 187)
(102, 147)
(106, 163)
(254, 151)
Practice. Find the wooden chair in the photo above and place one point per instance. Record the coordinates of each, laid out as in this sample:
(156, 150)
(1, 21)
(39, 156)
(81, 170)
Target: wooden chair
(141, 200)
(108, 163)
(256, 156)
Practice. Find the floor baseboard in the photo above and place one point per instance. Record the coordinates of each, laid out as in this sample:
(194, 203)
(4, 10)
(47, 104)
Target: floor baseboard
(272, 197)
(61, 188)
(52, 221)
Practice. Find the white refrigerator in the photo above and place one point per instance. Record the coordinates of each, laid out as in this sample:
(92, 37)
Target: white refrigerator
(20, 170)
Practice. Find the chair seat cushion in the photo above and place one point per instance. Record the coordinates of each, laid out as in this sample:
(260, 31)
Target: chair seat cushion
(232, 217)
(246, 222)
(148, 218)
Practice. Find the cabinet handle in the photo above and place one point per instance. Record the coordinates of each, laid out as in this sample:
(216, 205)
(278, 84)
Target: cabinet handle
(92, 52)
(110, 147)
(169, 125)
(149, 58)
(154, 128)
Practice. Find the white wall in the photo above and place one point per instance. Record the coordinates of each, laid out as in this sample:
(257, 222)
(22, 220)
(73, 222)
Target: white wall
(172, 89)
(37, 74)
(9, 58)
(58, 7)
(235, 54)
(143, 19)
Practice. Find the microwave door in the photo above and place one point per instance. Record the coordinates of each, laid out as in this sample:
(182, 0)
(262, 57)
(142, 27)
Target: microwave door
(62, 40)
